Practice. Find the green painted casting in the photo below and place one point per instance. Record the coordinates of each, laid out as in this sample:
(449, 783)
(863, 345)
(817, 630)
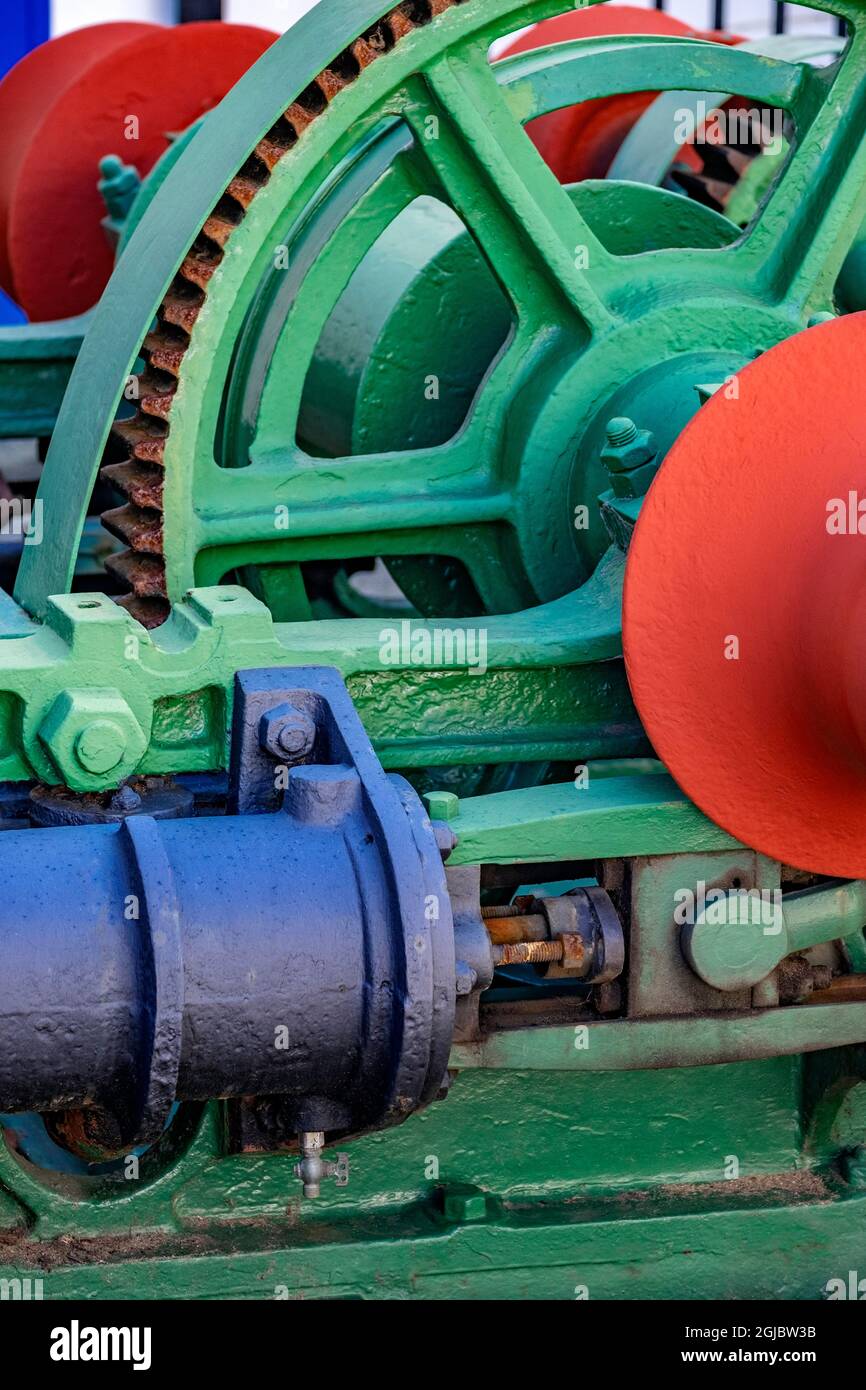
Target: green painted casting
(660, 1155)
(732, 946)
(588, 342)
(548, 686)
(36, 363)
(598, 1186)
(582, 330)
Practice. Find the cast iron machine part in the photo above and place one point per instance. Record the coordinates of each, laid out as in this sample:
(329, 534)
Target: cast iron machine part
(619, 306)
(301, 946)
(66, 106)
(670, 296)
(307, 953)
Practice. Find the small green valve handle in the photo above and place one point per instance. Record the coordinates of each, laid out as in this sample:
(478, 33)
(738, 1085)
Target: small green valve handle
(738, 939)
(118, 186)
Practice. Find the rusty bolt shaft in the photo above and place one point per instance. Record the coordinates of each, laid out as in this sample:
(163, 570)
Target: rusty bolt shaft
(528, 953)
(504, 931)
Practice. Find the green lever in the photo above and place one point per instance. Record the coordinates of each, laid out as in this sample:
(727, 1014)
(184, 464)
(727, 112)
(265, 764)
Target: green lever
(739, 939)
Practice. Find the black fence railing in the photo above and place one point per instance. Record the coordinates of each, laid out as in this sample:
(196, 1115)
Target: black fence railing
(190, 10)
(778, 16)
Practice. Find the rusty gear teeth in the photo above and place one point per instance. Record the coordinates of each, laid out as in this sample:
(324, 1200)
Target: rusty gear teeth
(141, 483)
(144, 438)
(165, 349)
(155, 392)
(144, 574)
(722, 167)
(139, 527)
(138, 477)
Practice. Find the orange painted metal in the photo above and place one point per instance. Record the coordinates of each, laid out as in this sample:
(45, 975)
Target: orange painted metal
(745, 604)
(580, 142)
(109, 89)
(43, 75)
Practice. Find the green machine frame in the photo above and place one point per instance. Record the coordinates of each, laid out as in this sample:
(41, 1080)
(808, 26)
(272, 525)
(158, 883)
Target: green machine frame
(676, 1150)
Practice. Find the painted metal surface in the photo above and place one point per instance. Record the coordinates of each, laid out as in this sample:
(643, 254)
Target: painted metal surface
(581, 142)
(178, 912)
(220, 534)
(105, 89)
(550, 683)
(651, 145)
(35, 366)
(766, 644)
(600, 1137)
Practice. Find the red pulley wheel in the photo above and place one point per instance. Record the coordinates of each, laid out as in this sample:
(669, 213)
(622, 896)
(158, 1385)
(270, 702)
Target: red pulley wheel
(580, 142)
(44, 74)
(745, 604)
(110, 89)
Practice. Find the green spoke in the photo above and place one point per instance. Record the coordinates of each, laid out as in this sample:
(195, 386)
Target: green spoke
(800, 242)
(321, 264)
(288, 495)
(525, 224)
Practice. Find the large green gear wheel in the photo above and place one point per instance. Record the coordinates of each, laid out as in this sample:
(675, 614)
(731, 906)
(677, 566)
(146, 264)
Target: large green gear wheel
(424, 304)
(230, 279)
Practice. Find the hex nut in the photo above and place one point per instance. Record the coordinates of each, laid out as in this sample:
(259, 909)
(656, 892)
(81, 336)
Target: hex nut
(287, 733)
(442, 805)
(89, 734)
(631, 454)
(574, 952)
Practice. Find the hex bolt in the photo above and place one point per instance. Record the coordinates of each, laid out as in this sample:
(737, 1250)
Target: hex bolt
(100, 746)
(580, 932)
(118, 186)
(287, 733)
(446, 840)
(630, 456)
(91, 733)
(463, 1204)
(295, 739)
(126, 799)
(442, 805)
(620, 431)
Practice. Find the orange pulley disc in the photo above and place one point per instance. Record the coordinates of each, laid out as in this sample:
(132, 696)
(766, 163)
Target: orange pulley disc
(108, 89)
(580, 142)
(745, 604)
(42, 76)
